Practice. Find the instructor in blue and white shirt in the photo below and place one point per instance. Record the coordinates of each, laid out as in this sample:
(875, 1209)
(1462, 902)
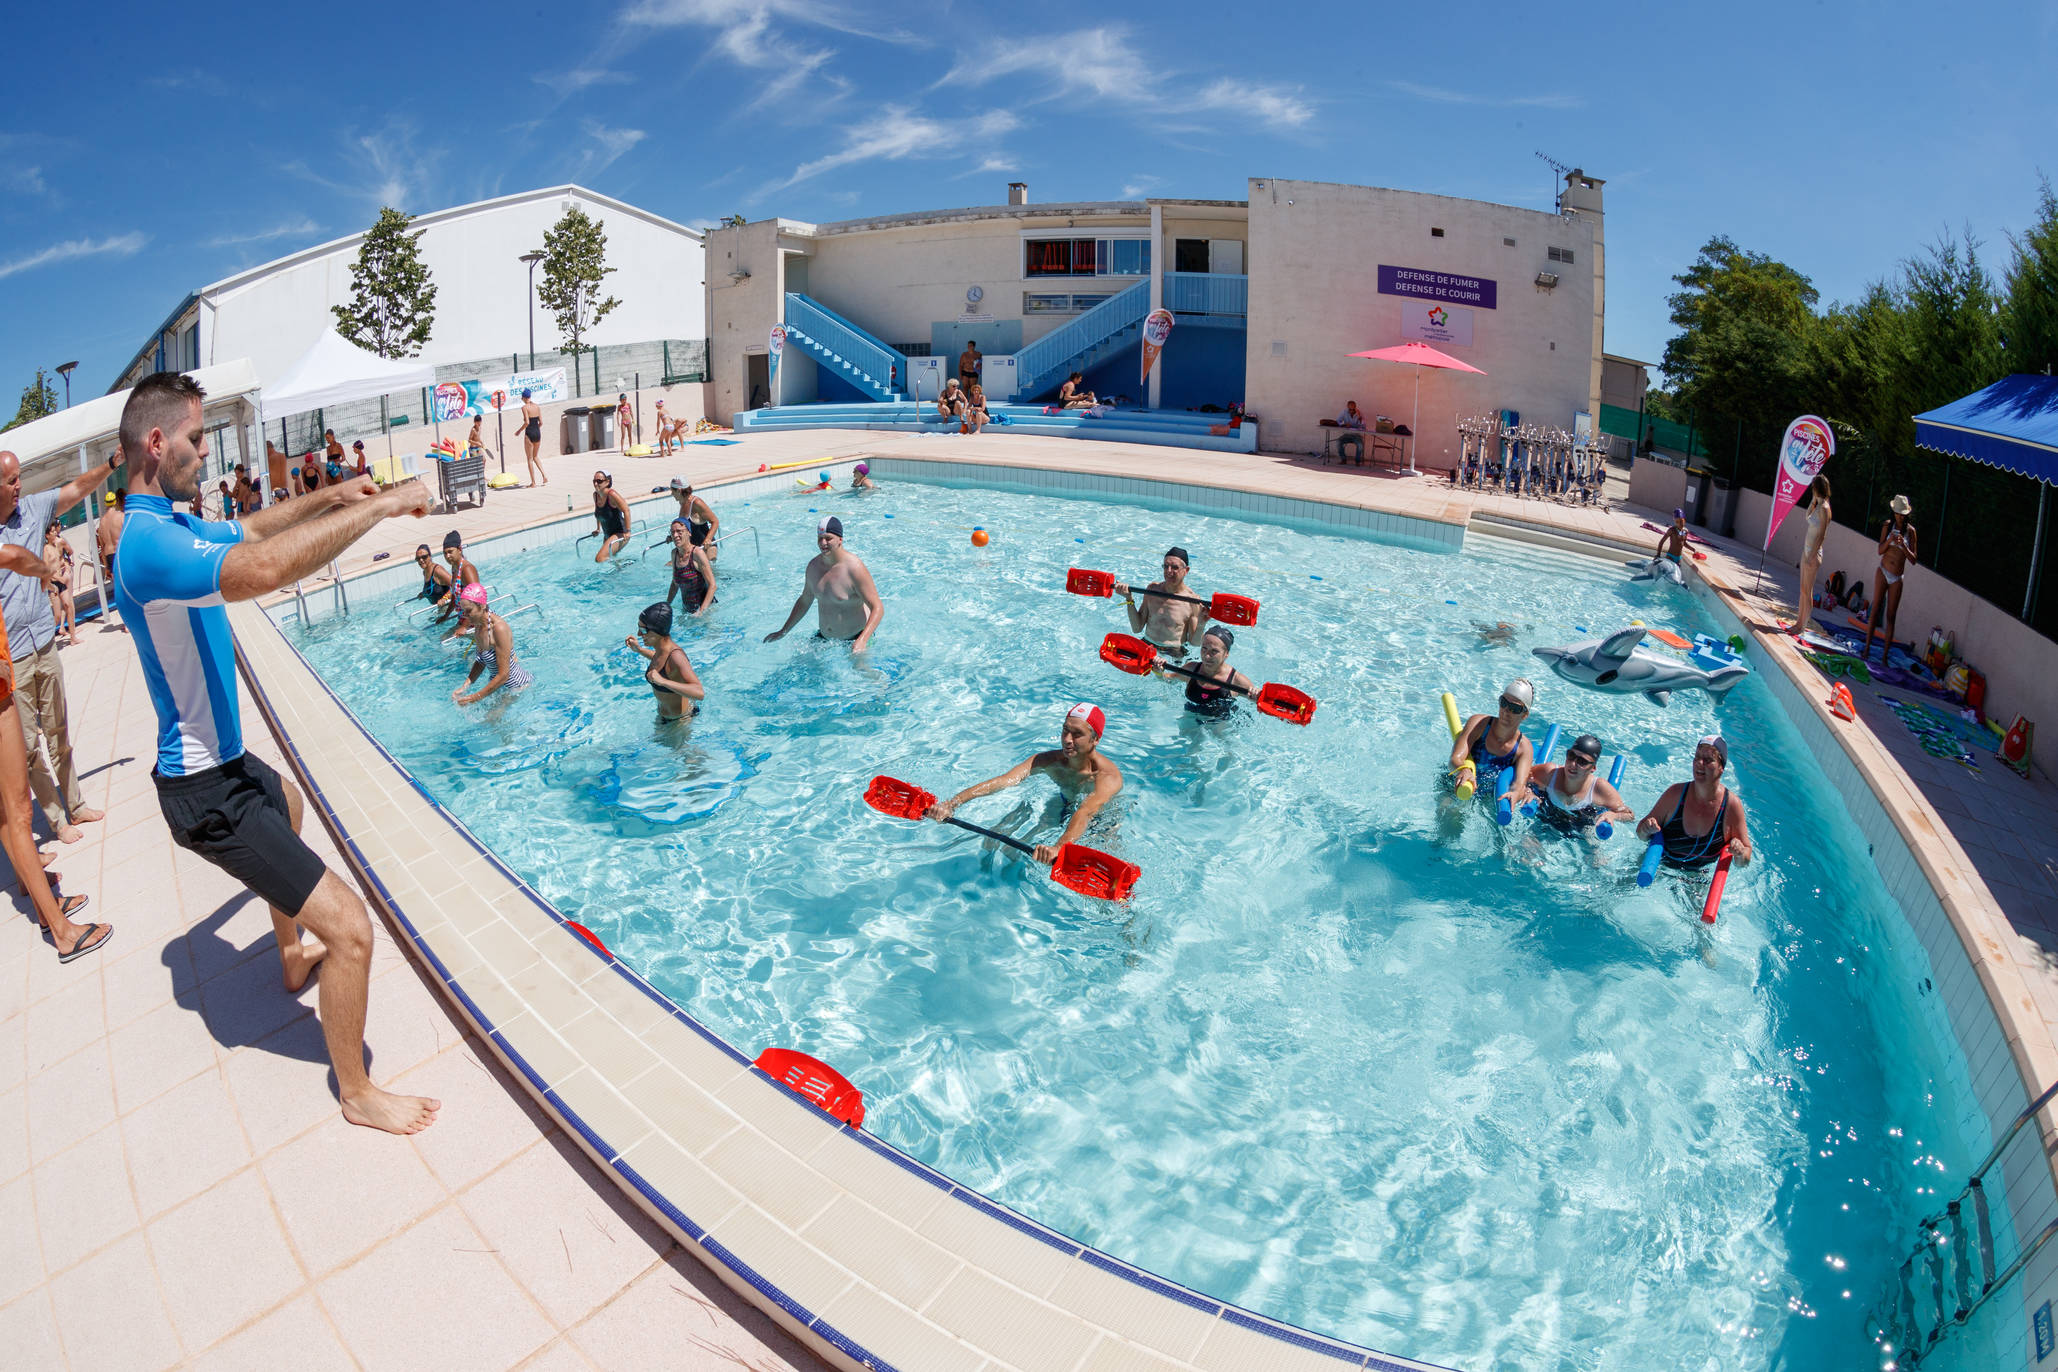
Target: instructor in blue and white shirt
(173, 580)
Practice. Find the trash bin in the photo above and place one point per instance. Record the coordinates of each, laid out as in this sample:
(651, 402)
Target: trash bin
(1722, 507)
(1695, 502)
(600, 427)
(573, 432)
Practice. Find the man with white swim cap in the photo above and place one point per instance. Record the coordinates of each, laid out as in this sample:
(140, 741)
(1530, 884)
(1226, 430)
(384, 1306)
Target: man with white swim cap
(1088, 779)
(850, 605)
(1167, 624)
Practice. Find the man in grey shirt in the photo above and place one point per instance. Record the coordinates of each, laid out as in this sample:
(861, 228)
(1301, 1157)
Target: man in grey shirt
(32, 639)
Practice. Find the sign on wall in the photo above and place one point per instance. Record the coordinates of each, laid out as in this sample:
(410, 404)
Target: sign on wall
(1438, 324)
(1448, 287)
(999, 377)
(455, 399)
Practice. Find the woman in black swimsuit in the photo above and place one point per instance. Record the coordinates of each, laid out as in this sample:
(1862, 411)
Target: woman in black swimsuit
(1699, 818)
(671, 677)
(610, 516)
(693, 574)
(435, 579)
(532, 440)
(1213, 685)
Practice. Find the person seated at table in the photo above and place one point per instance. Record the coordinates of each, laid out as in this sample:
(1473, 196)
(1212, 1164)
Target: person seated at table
(1352, 422)
(1072, 397)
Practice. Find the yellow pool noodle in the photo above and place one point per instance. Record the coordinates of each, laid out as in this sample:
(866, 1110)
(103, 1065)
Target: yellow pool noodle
(1467, 774)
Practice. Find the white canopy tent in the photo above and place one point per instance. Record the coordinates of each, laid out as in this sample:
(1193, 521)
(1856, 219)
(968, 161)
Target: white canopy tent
(336, 371)
(91, 430)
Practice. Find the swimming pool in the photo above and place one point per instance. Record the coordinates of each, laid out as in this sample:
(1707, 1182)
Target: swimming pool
(1435, 1091)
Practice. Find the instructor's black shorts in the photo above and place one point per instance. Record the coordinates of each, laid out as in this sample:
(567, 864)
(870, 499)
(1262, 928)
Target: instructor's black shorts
(235, 816)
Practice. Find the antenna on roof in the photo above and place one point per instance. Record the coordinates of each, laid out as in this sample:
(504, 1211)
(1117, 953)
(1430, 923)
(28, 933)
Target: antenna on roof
(1558, 185)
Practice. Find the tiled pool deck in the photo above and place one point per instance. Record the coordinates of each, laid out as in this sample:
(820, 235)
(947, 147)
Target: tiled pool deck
(167, 1135)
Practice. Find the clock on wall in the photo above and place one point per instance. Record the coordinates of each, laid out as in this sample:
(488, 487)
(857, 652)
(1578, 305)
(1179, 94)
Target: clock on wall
(974, 294)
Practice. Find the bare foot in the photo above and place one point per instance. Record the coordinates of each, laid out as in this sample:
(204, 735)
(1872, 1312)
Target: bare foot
(298, 962)
(86, 814)
(47, 858)
(376, 1109)
(68, 833)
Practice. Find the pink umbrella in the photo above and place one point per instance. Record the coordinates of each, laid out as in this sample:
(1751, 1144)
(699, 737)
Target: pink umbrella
(1418, 356)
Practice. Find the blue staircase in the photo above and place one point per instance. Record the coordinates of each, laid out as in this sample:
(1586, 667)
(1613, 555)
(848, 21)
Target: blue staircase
(1169, 428)
(1090, 339)
(829, 340)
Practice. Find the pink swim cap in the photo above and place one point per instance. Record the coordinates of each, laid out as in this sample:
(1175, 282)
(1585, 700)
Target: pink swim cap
(473, 594)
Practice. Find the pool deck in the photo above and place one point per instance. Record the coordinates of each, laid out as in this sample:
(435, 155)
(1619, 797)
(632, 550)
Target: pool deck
(167, 1132)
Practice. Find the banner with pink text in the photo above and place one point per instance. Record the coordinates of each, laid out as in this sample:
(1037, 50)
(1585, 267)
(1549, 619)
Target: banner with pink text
(1803, 453)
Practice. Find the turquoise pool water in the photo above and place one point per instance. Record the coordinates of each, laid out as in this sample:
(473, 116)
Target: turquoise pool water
(1347, 1058)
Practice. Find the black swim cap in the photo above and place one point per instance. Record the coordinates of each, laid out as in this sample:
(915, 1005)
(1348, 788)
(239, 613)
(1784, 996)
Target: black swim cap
(451, 540)
(1588, 744)
(656, 618)
(1228, 639)
(1180, 553)
(421, 547)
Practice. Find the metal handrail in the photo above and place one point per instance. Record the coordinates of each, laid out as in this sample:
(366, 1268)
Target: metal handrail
(751, 529)
(1037, 363)
(869, 361)
(1207, 293)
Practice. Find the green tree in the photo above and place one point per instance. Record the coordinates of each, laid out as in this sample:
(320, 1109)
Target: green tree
(574, 269)
(2029, 313)
(38, 398)
(392, 301)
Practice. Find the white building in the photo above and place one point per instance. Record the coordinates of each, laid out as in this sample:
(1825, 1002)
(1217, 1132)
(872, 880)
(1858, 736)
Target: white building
(1270, 295)
(273, 313)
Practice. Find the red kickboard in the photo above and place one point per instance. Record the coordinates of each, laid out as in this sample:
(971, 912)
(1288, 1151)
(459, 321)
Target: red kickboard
(816, 1080)
(897, 798)
(1081, 581)
(1091, 872)
(1289, 703)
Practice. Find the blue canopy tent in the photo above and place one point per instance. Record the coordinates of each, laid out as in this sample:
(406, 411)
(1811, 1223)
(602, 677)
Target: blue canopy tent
(2013, 425)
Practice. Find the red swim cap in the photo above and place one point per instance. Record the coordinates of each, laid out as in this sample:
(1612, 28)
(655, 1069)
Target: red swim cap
(1092, 714)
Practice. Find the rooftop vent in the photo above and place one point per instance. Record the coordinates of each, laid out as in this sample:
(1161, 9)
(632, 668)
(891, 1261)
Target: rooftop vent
(1018, 192)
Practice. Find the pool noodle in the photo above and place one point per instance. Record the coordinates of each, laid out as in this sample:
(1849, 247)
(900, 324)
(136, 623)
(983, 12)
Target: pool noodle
(1550, 745)
(1648, 873)
(1621, 763)
(1714, 901)
(1467, 780)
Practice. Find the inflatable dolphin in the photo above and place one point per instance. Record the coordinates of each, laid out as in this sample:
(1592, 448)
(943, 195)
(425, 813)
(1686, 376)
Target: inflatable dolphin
(1619, 663)
(1655, 568)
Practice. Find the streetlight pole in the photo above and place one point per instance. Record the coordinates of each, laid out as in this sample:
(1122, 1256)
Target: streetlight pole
(65, 369)
(532, 258)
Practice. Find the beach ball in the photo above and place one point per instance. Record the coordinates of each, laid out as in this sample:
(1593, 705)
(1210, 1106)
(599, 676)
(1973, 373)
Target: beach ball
(979, 539)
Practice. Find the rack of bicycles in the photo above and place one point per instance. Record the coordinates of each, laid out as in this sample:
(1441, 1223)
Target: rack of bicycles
(1530, 460)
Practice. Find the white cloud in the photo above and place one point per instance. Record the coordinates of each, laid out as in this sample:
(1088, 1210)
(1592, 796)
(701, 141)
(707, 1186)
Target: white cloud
(1140, 187)
(608, 145)
(1446, 96)
(27, 180)
(581, 78)
(1102, 66)
(898, 134)
(385, 168)
(126, 245)
(303, 227)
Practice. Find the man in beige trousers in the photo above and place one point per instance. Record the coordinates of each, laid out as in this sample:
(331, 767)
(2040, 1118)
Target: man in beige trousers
(32, 636)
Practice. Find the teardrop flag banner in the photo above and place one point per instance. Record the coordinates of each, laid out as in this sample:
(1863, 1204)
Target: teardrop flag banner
(1157, 327)
(1803, 453)
(775, 345)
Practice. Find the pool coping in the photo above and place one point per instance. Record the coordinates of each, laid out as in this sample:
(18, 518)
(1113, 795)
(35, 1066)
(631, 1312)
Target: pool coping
(603, 1051)
(1970, 909)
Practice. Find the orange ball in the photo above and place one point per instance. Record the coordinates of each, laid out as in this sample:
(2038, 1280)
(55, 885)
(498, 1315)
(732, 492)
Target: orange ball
(979, 538)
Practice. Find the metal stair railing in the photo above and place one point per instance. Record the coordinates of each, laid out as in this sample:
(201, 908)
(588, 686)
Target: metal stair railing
(342, 597)
(1933, 1292)
(859, 357)
(1038, 364)
(1207, 293)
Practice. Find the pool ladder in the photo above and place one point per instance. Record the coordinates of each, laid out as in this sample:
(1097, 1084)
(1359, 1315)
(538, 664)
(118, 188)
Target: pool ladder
(336, 584)
(1950, 1275)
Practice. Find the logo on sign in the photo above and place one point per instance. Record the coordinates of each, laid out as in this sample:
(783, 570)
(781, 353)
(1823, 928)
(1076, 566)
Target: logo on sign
(1439, 316)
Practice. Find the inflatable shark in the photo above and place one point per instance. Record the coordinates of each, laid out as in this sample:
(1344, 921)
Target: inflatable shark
(1619, 663)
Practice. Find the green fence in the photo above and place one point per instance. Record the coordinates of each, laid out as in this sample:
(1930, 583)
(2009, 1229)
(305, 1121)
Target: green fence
(1665, 433)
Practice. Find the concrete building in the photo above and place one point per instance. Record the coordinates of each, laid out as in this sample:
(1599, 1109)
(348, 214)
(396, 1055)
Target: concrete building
(273, 313)
(1624, 382)
(1269, 296)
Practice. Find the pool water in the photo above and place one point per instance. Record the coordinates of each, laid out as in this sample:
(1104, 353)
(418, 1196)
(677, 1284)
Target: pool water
(1352, 1056)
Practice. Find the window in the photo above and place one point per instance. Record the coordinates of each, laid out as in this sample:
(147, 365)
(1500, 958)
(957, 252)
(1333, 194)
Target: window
(1436, 233)
(1507, 242)
(1085, 257)
(1046, 304)
(1561, 254)
(1189, 254)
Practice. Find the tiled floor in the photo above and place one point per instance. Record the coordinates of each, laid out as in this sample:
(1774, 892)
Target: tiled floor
(170, 1148)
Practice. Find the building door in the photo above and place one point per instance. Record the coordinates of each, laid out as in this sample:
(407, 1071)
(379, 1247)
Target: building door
(757, 381)
(1226, 255)
(1189, 254)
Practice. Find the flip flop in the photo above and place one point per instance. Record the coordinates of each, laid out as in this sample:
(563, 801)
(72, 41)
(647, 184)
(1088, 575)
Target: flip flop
(87, 943)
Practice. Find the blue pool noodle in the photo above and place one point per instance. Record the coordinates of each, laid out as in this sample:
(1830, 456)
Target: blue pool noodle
(1621, 763)
(1648, 873)
(1550, 745)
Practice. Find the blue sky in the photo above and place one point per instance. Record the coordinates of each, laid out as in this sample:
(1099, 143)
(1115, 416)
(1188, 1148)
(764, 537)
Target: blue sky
(1838, 137)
